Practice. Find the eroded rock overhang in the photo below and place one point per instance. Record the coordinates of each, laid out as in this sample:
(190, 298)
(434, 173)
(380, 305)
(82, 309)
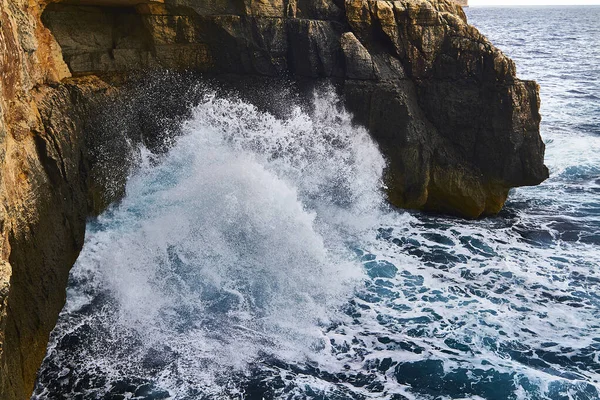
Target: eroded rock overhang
(456, 125)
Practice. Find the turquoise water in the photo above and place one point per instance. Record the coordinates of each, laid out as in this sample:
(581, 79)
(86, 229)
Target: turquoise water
(257, 259)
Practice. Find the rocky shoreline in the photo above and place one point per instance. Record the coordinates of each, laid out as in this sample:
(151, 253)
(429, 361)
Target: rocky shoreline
(457, 127)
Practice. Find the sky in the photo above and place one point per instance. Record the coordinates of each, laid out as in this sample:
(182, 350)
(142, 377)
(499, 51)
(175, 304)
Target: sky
(530, 2)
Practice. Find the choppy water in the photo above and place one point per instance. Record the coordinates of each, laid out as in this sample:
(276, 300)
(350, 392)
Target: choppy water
(257, 259)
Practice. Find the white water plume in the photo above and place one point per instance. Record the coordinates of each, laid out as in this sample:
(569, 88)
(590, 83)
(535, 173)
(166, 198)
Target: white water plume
(233, 244)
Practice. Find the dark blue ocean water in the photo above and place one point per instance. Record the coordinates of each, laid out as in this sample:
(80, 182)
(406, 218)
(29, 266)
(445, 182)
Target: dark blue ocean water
(258, 259)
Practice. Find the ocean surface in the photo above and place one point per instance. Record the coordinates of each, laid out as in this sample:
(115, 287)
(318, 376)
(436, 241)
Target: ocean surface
(257, 259)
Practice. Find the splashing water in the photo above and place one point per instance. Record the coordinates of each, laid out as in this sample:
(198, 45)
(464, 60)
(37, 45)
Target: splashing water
(257, 260)
(231, 247)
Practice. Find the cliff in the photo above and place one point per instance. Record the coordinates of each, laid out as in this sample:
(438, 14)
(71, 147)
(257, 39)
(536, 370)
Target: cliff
(457, 127)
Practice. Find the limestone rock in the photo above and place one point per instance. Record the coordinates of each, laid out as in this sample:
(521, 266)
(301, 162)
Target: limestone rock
(359, 64)
(40, 232)
(485, 135)
(470, 114)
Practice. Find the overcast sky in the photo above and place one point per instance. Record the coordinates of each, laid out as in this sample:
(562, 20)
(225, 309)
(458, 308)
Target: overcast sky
(530, 2)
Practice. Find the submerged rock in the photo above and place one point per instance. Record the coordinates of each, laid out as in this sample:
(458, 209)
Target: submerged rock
(457, 127)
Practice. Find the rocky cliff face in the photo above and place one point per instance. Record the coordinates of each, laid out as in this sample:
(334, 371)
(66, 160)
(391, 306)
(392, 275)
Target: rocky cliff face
(42, 207)
(456, 125)
(458, 128)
